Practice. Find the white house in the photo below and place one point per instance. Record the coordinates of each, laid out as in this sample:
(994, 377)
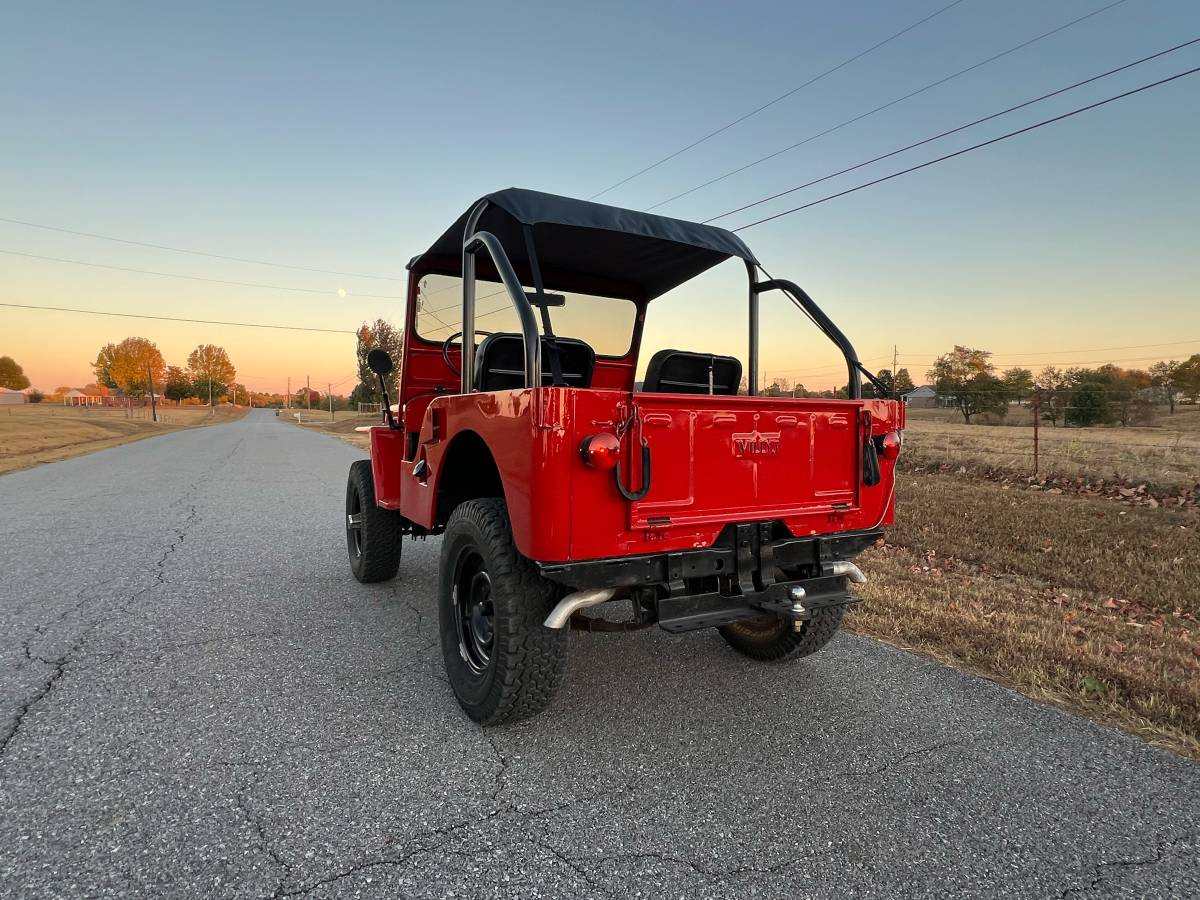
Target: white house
(924, 396)
(10, 397)
(76, 397)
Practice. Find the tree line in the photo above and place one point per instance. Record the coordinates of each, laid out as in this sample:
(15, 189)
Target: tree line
(136, 366)
(966, 379)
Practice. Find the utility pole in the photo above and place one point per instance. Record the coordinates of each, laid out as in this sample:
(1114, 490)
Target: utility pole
(153, 408)
(308, 392)
(895, 359)
(329, 394)
(287, 398)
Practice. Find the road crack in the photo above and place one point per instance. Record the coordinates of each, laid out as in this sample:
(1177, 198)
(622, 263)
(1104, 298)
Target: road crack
(63, 662)
(1101, 869)
(900, 760)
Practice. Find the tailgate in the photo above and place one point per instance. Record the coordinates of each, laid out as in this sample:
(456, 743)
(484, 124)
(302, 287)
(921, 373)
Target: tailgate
(728, 459)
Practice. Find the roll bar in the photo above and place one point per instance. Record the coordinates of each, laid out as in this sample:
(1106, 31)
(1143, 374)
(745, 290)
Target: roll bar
(473, 242)
(822, 321)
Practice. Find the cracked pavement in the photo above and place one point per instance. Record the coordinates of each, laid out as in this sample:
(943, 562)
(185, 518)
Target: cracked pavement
(197, 700)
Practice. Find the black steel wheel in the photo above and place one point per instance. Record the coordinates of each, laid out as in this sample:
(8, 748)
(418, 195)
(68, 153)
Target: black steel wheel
(373, 535)
(502, 662)
(474, 612)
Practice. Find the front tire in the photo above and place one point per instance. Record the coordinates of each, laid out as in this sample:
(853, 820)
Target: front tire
(502, 662)
(775, 638)
(373, 536)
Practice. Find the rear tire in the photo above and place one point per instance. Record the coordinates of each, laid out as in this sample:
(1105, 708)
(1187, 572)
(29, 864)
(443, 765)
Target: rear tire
(373, 536)
(502, 662)
(775, 639)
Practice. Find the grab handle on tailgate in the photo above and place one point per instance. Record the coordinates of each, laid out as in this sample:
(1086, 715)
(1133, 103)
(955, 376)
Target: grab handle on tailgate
(634, 496)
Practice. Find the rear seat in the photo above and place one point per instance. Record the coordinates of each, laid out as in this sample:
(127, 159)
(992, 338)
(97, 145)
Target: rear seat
(682, 372)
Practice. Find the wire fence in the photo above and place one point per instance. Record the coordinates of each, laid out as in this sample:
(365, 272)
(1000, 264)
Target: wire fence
(1161, 447)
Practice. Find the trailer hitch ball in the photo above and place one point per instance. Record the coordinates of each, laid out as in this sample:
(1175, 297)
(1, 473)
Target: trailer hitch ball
(797, 594)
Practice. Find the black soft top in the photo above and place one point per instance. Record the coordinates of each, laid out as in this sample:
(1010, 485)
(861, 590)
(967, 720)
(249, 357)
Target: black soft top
(588, 247)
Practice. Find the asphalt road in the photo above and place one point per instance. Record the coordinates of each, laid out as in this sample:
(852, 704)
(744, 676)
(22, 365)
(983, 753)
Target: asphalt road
(197, 700)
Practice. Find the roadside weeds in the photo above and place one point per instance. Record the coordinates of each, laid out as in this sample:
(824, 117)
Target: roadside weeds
(1074, 601)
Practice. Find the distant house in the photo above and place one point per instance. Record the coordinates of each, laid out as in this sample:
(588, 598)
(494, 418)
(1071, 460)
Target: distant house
(924, 397)
(76, 397)
(11, 398)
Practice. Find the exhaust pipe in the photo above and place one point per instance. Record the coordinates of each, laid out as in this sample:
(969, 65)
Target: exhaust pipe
(568, 605)
(849, 569)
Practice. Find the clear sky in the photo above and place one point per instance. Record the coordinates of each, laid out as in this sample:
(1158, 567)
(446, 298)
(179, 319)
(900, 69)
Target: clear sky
(349, 136)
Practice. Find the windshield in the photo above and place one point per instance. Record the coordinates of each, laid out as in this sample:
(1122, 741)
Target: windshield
(604, 323)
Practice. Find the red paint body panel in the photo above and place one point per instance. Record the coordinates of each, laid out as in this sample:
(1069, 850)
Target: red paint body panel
(714, 460)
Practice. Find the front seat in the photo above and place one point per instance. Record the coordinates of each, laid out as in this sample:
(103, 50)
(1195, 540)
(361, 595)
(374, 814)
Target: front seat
(500, 362)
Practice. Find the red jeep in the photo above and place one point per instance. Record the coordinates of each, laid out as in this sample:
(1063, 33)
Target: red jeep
(559, 484)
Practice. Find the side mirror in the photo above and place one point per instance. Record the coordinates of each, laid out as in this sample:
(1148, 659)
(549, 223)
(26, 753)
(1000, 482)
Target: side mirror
(380, 362)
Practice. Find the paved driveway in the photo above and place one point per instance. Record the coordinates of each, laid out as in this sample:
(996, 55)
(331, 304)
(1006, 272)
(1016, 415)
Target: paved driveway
(196, 699)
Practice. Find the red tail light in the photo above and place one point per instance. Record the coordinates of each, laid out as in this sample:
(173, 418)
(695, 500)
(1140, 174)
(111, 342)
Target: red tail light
(890, 445)
(601, 451)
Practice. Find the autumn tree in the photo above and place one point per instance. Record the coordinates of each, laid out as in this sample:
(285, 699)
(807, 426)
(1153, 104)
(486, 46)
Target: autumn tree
(211, 371)
(178, 385)
(1187, 378)
(966, 376)
(1162, 376)
(1088, 406)
(894, 385)
(1052, 385)
(1018, 383)
(103, 366)
(382, 335)
(12, 376)
(885, 379)
(131, 366)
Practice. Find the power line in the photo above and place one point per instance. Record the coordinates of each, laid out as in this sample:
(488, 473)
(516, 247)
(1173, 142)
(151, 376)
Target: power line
(242, 259)
(98, 312)
(943, 134)
(275, 287)
(783, 96)
(995, 140)
(890, 103)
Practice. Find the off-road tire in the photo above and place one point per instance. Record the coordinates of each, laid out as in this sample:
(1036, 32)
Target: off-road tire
(375, 555)
(527, 660)
(775, 639)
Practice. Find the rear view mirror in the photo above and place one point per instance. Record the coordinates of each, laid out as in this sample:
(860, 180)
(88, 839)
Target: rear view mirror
(546, 299)
(380, 362)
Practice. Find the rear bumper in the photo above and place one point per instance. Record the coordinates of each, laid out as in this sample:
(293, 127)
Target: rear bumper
(750, 571)
(689, 613)
(720, 559)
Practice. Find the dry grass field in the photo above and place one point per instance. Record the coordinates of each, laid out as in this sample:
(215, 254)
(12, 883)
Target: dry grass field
(1166, 453)
(32, 434)
(342, 425)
